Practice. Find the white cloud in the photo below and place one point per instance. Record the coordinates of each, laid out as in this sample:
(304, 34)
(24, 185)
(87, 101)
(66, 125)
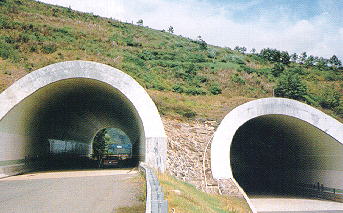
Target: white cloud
(318, 36)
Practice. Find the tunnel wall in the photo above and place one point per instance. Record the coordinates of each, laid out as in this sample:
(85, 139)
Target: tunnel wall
(14, 146)
(223, 137)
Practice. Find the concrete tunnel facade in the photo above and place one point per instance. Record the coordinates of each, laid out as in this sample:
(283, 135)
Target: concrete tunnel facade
(277, 142)
(72, 101)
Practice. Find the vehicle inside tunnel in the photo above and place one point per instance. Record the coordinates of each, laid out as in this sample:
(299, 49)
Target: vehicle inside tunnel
(61, 119)
(111, 147)
(283, 155)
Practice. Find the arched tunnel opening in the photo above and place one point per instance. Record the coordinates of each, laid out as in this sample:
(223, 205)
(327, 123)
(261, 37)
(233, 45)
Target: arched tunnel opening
(68, 114)
(283, 155)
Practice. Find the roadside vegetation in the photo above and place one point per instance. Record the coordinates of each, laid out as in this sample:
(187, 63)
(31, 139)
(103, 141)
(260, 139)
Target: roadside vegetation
(188, 79)
(185, 198)
(139, 206)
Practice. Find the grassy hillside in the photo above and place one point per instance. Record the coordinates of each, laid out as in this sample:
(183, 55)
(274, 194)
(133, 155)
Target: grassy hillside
(183, 197)
(186, 78)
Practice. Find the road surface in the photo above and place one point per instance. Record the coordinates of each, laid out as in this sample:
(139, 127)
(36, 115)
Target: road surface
(89, 191)
(264, 204)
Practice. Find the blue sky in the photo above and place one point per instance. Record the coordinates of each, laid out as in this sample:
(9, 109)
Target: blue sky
(314, 26)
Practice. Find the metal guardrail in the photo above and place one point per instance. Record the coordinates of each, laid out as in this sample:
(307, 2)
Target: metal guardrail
(155, 202)
(320, 191)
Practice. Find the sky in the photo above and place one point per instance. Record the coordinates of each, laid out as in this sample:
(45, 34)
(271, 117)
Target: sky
(312, 26)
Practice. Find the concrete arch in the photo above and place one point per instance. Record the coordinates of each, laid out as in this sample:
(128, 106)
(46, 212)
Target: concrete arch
(59, 87)
(223, 137)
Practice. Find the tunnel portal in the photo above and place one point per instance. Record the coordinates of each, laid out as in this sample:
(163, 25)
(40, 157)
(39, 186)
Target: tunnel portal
(277, 154)
(70, 102)
(278, 146)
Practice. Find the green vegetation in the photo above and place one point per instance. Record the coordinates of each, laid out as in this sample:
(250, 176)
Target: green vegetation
(290, 86)
(183, 197)
(100, 143)
(34, 35)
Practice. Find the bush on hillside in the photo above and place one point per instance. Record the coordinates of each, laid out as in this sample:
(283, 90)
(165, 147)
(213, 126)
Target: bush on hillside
(289, 85)
(178, 88)
(215, 89)
(277, 69)
(237, 78)
(329, 98)
(195, 91)
(276, 56)
(49, 48)
(247, 69)
(8, 52)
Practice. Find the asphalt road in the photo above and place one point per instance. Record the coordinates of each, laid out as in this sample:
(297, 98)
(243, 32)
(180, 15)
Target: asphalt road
(69, 192)
(265, 204)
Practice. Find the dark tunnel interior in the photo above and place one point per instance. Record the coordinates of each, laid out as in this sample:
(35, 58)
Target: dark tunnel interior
(73, 111)
(275, 154)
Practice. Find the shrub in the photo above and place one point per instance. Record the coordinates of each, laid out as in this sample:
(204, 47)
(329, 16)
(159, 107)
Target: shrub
(201, 79)
(298, 70)
(225, 58)
(8, 52)
(211, 53)
(215, 89)
(290, 85)
(149, 55)
(235, 59)
(159, 85)
(49, 48)
(24, 38)
(33, 48)
(237, 79)
(339, 111)
(263, 71)
(274, 55)
(185, 112)
(178, 88)
(129, 41)
(248, 70)
(311, 99)
(329, 98)
(331, 76)
(195, 91)
(6, 23)
(277, 69)
(198, 58)
(202, 44)
(8, 72)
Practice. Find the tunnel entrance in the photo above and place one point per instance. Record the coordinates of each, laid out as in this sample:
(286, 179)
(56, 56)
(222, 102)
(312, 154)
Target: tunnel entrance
(69, 102)
(57, 124)
(283, 155)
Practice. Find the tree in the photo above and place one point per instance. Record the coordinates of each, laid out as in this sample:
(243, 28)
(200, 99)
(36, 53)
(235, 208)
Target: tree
(309, 61)
(140, 22)
(291, 86)
(294, 57)
(284, 57)
(253, 51)
(322, 63)
(171, 29)
(241, 49)
(329, 98)
(271, 55)
(202, 43)
(277, 69)
(302, 57)
(100, 144)
(335, 62)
